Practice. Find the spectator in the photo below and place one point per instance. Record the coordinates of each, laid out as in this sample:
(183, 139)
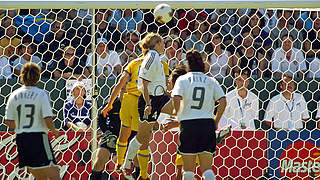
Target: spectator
(249, 57)
(11, 40)
(288, 59)
(33, 25)
(108, 31)
(270, 19)
(132, 49)
(186, 21)
(255, 27)
(25, 51)
(242, 105)
(286, 26)
(5, 67)
(173, 53)
(69, 66)
(229, 21)
(108, 62)
(219, 58)
(77, 111)
(126, 20)
(306, 20)
(51, 49)
(199, 37)
(287, 110)
(312, 42)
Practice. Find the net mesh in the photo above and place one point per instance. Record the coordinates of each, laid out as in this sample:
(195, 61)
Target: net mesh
(267, 42)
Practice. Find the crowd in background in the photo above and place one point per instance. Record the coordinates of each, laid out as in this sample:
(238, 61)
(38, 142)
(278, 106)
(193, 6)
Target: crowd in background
(269, 42)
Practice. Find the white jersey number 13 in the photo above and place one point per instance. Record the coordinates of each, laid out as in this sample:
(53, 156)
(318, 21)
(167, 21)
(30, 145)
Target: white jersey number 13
(30, 115)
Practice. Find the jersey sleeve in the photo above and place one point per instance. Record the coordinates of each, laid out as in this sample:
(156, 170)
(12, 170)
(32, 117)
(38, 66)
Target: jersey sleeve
(149, 66)
(256, 107)
(10, 110)
(305, 113)
(166, 68)
(318, 111)
(218, 91)
(128, 69)
(178, 88)
(46, 106)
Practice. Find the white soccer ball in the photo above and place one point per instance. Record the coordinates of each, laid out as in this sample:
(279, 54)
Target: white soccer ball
(81, 125)
(163, 13)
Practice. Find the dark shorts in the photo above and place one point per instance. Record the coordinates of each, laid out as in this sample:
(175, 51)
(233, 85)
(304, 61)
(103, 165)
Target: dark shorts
(103, 143)
(34, 150)
(197, 136)
(157, 103)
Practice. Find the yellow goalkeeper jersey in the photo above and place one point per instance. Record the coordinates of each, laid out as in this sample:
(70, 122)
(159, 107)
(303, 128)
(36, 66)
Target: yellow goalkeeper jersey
(133, 69)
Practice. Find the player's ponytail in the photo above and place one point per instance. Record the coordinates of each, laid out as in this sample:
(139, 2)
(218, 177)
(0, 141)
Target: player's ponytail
(149, 42)
(30, 74)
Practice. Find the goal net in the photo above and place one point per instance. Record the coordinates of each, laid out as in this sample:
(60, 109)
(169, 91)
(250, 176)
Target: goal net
(273, 43)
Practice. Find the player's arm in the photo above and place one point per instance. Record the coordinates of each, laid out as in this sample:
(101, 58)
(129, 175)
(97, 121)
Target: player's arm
(176, 103)
(10, 123)
(51, 127)
(116, 90)
(146, 96)
(220, 110)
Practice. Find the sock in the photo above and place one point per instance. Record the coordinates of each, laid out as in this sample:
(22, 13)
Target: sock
(188, 175)
(208, 175)
(143, 158)
(96, 175)
(136, 172)
(133, 148)
(121, 149)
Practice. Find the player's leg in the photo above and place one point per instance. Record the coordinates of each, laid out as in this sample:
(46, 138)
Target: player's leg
(40, 161)
(168, 108)
(141, 141)
(102, 157)
(122, 143)
(129, 121)
(45, 173)
(37, 174)
(189, 166)
(179, 166)
(206, 159)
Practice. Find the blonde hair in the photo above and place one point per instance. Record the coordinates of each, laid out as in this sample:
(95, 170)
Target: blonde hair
(30, 74)
(149, 42)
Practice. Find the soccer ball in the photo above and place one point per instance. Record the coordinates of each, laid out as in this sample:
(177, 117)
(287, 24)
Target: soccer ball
(81, 125)
(163, 13)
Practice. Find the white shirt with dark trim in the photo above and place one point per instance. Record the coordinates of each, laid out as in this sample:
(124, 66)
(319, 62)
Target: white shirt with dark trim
(199, 93)
(105, 65)
(287, 114)
(318, 111)
(295, 64)
(28, 106)
(245, 113)
(152, 70)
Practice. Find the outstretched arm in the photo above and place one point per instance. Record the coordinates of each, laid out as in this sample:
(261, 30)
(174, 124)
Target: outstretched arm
(121, 83)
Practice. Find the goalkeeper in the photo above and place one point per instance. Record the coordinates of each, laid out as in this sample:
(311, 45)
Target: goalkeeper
(110, 126)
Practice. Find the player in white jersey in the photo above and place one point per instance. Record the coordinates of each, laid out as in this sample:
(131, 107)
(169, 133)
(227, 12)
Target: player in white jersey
(29, 112)
(152, 84)
(194, 96)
